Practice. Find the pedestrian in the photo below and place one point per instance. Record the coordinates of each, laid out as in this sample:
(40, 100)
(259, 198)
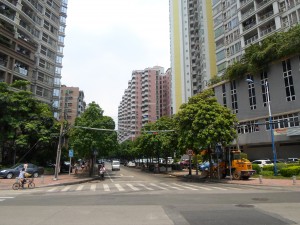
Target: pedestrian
(25, 166)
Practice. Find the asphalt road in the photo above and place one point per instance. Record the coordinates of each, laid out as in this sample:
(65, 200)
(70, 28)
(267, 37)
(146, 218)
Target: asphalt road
(130, 197)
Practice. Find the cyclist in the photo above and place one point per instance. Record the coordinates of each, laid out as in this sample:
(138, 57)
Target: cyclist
(22, 176)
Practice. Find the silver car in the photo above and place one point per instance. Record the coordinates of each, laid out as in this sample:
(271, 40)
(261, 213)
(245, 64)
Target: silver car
(115, 165)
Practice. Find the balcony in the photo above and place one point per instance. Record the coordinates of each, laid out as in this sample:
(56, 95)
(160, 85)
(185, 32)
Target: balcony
(266, 15)
(245, 2)
(251, 40)
(267, 31)
(262, 3)
(247, 27)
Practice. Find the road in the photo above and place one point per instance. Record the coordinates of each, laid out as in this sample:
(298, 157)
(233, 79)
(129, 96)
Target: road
(132, 197)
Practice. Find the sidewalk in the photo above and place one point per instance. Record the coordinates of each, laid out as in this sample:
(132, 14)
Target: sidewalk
(66, 179)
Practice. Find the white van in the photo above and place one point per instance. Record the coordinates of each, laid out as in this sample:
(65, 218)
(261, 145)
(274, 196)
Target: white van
(115, 165)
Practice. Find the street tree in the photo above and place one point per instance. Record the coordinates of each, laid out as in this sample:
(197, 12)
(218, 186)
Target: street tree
(26, 124)
(88, 143)
(203, 123)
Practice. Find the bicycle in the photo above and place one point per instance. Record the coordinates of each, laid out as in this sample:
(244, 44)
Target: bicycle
(29, 181)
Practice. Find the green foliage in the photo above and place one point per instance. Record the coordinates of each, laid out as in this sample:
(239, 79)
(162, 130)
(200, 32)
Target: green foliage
(26, 124)
(258, 56)
(257, 168)
(86, 141)
(290, 171)
(267, 173)
(203, 122)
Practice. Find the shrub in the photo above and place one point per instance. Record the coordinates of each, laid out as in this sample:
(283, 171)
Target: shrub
(290, 171)
(256, 168)
(267, 173)
(268, 168)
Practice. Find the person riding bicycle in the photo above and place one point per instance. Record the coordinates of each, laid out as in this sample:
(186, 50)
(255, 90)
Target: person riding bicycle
(22, 176)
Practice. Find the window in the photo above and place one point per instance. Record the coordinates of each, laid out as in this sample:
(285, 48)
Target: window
(251, 93)
(234, 103)
(248, 127)
(264, 81)
(284, 121)
(224, 95)
(288, 80)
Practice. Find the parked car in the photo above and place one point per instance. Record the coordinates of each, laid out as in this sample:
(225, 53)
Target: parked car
(14, 171)
(131, 164)
(115, 165)
(262, 162)
(292, 160)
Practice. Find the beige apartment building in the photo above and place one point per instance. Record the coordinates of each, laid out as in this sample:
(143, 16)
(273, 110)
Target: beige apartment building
(72, 103)
(146, 99)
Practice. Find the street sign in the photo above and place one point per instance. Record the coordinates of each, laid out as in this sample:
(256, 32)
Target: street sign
(189, 152)
(71, 153)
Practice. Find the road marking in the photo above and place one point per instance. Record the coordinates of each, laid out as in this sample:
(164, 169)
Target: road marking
(177, 188)
(106, 187)
(53, 189)
(144, 186)
(1, 200)
(66, 188)
(79, 188)
(190, 188)
(120, 188)
(7, 197)
(158, 186)
(218, 188)
(133, 187)
(93, 187)
(204, 188)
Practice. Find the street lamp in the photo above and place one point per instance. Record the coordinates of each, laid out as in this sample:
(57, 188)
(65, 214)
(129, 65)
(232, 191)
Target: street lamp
(270, 123)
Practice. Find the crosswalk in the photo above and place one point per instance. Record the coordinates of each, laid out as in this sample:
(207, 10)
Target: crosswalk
(2, 199)
(138, 187)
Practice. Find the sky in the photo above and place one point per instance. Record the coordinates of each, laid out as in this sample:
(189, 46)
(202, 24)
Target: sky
(106, 40)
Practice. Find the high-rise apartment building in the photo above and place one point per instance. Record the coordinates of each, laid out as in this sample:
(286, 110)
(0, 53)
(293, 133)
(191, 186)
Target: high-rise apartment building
(193, 59)
(72, 103)
(146, 99)
(31, 45)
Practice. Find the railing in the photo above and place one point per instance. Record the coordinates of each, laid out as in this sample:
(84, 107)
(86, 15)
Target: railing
(268, 30)
(261, 18)
(249, 26)
(262, 3)
(250, 40)
(247, 13)
(245, 2)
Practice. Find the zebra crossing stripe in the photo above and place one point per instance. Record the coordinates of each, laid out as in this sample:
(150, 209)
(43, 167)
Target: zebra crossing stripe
(218, 188)
(177, 188)
(201, 187)
(106, 187)
(133, 187)
(144, 186)
(79, 188)
(1, 200)
(120, 188)
(52, 189)
(190, 188)
(93, 187)
(158, 186)
(66, 188)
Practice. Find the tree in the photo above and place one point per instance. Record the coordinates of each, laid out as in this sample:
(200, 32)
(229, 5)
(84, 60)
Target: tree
(25, 122)
(203, 123)
(87, 142)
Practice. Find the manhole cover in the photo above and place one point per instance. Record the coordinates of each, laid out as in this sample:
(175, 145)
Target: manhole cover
(245, 206)
(260, 199)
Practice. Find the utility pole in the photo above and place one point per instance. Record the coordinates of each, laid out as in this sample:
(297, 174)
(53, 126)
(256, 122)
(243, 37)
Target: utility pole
(58, 153)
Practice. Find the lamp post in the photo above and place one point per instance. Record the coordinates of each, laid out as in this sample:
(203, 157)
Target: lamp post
(270, 123)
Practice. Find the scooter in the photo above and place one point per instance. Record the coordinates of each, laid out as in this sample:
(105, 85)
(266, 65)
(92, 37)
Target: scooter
(101, 174)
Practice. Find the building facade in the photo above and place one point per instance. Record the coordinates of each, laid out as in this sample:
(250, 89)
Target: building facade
(31, 45)
(72, 103)
(146, 99)
(193, 59)
(249, 101)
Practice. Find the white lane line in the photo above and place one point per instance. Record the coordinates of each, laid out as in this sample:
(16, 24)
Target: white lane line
(158, 186)
(93, 187)
(79, 188)
(106, 187)
(144, 186)
(52, 189)
(177, 188)
(190, 188)
(120, 188)
(1, 200)
(133, 187)
(204, 188)
(120, 176)
(65, 188)
(7, 197)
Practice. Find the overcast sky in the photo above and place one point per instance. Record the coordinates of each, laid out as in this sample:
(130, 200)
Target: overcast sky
(106, 40)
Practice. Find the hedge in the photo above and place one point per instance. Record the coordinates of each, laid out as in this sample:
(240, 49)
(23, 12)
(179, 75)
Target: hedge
(290, 171)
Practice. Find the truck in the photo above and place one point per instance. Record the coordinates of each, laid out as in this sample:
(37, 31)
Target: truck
(233, 164)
